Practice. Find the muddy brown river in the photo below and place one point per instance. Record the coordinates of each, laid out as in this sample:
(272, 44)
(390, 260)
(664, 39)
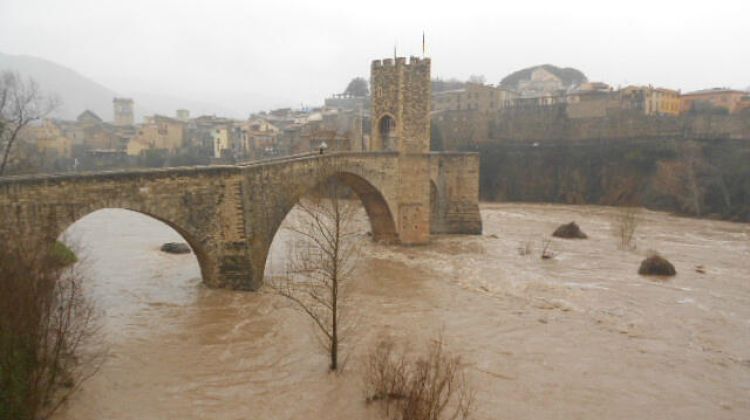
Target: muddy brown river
(579, 336)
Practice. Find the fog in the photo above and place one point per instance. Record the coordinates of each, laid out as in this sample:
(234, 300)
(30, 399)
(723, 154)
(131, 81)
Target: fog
(254, 55)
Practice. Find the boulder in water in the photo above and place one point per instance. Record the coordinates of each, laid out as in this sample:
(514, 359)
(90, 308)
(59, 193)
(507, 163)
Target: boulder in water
(656, 265)
(569, 231)
(175, 248)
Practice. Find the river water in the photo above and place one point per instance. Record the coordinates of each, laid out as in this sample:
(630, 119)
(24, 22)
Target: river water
(579, 336)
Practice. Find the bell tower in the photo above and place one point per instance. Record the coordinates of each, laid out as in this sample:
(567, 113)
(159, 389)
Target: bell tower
(401, 97)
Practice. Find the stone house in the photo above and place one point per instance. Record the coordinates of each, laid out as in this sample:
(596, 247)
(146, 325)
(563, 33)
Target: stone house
(221, 141)
(541, 83)
(158, 132)
(591, 100)
(474, 96)
(50, 140)
(258, 139)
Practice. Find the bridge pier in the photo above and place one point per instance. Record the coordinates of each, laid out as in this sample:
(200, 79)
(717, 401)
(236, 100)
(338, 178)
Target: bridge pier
(454, 195)
(234, 269)
(414, 199)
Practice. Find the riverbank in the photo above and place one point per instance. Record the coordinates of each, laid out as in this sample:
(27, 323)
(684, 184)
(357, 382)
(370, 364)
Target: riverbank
(702, 178)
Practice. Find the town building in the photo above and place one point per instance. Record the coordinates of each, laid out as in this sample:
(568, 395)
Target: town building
(90, 133)
(591, 100)
(256, 139)
(542, 82)
(729, 100)
(123, 108)
(648, 100)
(50, 140)
(474, 96)
(183, 115)
(221, 140)
(158, 132)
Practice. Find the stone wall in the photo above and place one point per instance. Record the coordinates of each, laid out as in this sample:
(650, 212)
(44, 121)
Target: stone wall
(552, 124)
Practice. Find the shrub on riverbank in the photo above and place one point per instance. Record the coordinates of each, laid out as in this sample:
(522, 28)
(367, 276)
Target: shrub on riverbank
(45, 319)
(430, 386)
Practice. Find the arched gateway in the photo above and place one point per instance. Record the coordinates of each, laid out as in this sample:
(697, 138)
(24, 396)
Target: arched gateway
(230, 214)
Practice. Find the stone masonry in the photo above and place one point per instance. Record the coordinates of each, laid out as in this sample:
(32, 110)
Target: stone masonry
(230, 214)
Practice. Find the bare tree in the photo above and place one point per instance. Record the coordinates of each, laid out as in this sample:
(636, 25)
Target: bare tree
(46, 324)
(21, 102)
(624, 225)
(684, 180)
(430, 386)
(320, 262)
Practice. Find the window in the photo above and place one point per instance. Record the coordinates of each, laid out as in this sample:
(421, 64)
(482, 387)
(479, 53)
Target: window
(387, 129)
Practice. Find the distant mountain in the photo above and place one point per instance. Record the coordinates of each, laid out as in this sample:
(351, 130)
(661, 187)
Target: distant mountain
(76, 92)
(79, 93)
(568, 75)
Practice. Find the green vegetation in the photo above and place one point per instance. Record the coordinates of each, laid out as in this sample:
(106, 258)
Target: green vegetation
(699, 178)
(45, 320)
(63, 255)
(358, 87)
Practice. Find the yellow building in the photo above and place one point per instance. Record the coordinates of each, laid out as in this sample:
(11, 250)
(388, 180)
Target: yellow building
(137, 145)
(221, 142)
(650, 100)
(49, 139)
(158, 132)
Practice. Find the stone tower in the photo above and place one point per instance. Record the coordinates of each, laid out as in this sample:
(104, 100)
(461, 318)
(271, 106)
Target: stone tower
(401, 97)
(123, 111)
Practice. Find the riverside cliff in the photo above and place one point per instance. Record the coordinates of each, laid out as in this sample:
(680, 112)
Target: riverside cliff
(693, 164)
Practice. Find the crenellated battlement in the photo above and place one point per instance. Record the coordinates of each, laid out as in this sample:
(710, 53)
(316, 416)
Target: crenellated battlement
(400, 62)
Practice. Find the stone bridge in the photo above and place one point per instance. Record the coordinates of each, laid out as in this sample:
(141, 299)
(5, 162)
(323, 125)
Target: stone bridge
(230, 214)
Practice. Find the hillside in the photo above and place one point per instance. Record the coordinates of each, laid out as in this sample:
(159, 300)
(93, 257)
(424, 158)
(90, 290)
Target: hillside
(79, 93)
(76, 92)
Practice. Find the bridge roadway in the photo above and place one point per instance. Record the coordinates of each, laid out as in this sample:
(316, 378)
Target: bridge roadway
(229, 214)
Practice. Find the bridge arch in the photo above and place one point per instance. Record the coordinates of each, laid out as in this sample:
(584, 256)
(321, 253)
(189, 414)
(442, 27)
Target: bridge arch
(379, 214)
(64, 223)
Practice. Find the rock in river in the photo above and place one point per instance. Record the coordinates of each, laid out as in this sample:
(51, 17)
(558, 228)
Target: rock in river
(175, 248)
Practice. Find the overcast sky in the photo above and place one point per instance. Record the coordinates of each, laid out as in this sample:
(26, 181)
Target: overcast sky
(252, 55)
